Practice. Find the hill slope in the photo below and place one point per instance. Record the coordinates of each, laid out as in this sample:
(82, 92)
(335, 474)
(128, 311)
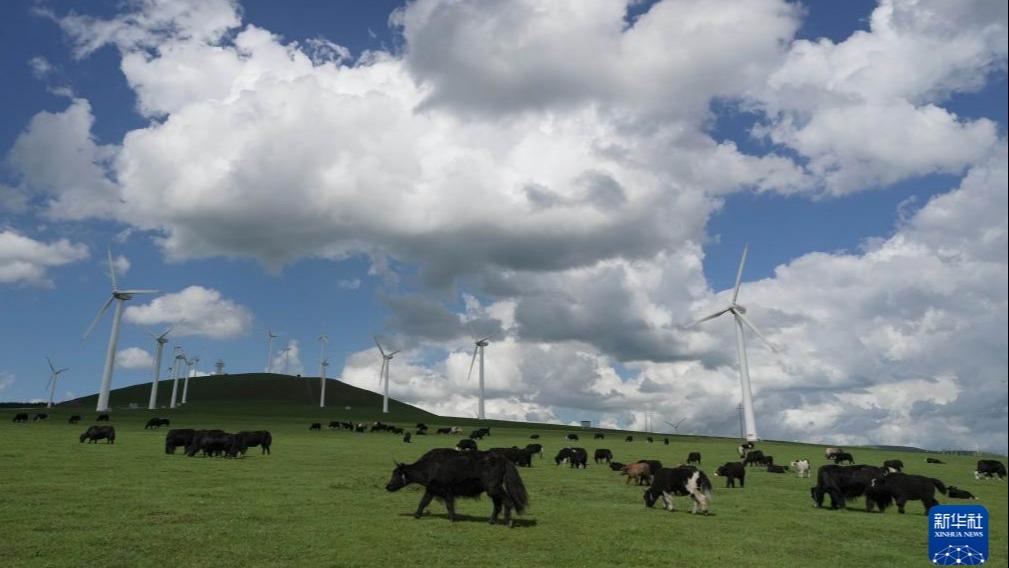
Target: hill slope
(256, 390)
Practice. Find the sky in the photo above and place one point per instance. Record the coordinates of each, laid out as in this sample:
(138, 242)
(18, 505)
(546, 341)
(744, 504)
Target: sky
(575, 180)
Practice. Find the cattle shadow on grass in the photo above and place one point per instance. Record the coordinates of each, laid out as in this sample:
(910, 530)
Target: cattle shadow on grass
(516, 523)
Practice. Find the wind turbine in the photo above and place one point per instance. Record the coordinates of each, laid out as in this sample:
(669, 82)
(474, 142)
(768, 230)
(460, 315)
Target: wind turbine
(383, 374)
(739, 316)
(219, 367)
(323, 363)
(190, 370)
(55, 376)
(161, 340)
(479, 345)
(269, 349)
(119, 297)
(676, 427)
(179, 356)
(287, 360)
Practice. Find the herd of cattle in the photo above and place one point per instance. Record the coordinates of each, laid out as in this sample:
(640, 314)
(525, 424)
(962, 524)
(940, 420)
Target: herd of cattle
(467, 471)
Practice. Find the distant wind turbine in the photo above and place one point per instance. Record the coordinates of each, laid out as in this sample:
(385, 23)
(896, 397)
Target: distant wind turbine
(53, 377)
(269, 349)
(383, 375)
(119, 297)
(739, 315)
(219, 367)
(676, 427)
(190, 371)
(160, 340)
(323, 363)
(287, 360)
(179, 358)
(479, 345)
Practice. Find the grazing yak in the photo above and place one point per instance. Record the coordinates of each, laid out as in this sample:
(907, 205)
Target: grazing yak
(315, 426)
(650, 440)
(479, 433)
(20, 417)
(447, 475)
(616, 466)
(986, 469)
(598, 436)
(534, 436)
(601, 455)
(443, 431)
(466, 444)
(157, 423)
(334, 424)
(841, 457)
(957, 493)
(694, 458)
(629, 439)
(665, 441)
(102, 418)
(571, 437)
(829, 453)
(575, 457)
(518, 456)
(754, 457)
(216, 443)
(682, 480)
(800, 467)
(253, 438)
(732, 471)
(771, 468)
(934, 460)
(535, 449)
(407, 438)
(903, 487)
(893, 466)
(640, 472)
(178, 437)
(95, 433)
(74, 419)
(40, 416)
(844, 482)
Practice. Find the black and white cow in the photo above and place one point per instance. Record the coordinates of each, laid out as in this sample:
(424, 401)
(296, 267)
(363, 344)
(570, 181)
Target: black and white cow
(466, 444)
(732, 471)
(893, 466)
(535, 449)
(744, 449)
(903, 487)
(986, 469)
(694, 458)
(680, 481)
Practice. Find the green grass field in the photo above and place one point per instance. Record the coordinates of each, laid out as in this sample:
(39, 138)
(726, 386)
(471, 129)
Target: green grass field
(319, 500)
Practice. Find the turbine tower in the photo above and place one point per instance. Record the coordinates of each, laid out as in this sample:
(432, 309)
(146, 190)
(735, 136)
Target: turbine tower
(119, 297)
(739, 317)
(161, 340)
(479, 345)
(323, 363)
(53, 377)
(190, 370)
(179, 356)
(219, 367)
(383, 375)
(269, 349)
(287, 360)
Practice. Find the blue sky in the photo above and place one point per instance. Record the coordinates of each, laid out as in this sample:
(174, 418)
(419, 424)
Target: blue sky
(799, 196)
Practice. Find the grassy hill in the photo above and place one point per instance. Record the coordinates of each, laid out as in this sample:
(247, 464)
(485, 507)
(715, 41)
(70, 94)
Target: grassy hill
(319, 499)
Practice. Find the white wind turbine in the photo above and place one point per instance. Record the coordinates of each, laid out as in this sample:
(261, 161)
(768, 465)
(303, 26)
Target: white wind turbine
(161, 340)
(676, 427)
(479, 345)
(179, 358)
(287, 360)
(53, 377)
(269, 349)
(190, 370)
(383, 375)
(739, 316)
(323, 363)
(119, 297)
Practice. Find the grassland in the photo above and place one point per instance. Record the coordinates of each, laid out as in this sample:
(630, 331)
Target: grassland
(319, 500)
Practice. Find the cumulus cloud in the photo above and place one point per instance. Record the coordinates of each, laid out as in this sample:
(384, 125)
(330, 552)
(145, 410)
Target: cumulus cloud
(195, 311)
(24, 260)
(134, 358)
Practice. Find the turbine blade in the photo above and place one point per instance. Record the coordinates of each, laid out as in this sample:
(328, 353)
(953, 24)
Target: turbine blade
(739, 275)
(51, 367)
(712, 316)
(63, 370)
(469, 375)
(112, 270)
(139, 291)
(393, 353)
(381, 371)
(377, 344)
(754, 329)
(101, 313)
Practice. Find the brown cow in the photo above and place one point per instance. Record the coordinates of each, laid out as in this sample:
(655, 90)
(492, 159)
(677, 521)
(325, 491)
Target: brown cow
(642, 472)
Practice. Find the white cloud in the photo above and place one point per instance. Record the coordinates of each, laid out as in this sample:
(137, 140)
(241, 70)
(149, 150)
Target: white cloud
(196, 311)
(6, 380)
(24, 260)
(288, 360)
(120, 264)
(41, 67)
(134, 358)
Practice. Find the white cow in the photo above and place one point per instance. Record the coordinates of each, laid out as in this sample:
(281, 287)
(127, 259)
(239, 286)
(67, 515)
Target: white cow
(800, 467)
